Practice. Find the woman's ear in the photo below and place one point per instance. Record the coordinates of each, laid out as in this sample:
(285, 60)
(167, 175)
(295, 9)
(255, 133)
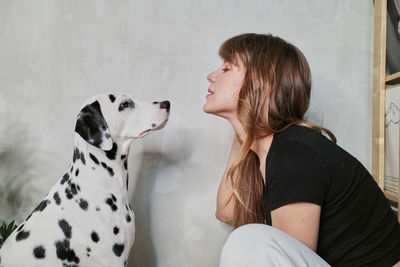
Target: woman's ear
(92, 127)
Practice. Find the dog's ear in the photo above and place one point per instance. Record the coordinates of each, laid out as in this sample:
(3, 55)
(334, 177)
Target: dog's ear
(92, 127)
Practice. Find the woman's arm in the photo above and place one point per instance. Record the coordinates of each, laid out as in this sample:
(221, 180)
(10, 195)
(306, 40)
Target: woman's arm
(225, 200)
(300, 220)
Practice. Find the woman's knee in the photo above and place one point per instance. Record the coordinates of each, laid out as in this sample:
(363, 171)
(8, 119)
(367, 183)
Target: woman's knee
(250, 234)
(245, 244)
(263, 245)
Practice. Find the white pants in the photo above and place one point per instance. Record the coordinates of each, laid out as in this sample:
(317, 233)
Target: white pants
(259, 245)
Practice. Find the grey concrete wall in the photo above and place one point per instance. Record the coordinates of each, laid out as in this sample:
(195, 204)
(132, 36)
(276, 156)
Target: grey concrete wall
(56, 54)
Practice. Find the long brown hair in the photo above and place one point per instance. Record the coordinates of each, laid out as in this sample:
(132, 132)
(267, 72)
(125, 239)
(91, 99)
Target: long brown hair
(275, 95)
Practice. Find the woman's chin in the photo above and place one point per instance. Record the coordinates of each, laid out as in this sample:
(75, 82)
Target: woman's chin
(206, 109)
(209, 110)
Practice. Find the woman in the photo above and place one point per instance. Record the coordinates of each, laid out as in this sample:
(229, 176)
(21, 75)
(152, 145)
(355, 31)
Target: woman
(323, 205)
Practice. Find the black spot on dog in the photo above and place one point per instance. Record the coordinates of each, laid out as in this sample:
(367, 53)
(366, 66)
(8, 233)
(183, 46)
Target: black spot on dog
(104, 165)
(110, 171)
(78, 187)
(113, 197)
(127, 181)
(95, 237)
(42, 205)
(65, 178)
(111, 203)
(126, 207)
(77, 172)
(57, 198)
(112, 98)
(90, 123)
(76, 154)
(116, 230)
(128, 218)
(123, 156)
(130, 207)
(66, 228)
(68, 193)
(153, 125)
(118, 249)
(83, 204)
(125, 263)
(22, 235)
(97, 209)
(93, 157)
(111, 154)
(73, 189)
(64, 252)
(88, 249)
(39, 252)
(83, 159)
(126, 165)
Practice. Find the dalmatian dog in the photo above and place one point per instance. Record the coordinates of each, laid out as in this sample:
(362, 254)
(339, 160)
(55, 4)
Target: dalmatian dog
(86, 218)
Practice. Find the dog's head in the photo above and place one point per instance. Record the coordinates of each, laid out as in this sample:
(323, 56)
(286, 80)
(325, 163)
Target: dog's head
(108, 118)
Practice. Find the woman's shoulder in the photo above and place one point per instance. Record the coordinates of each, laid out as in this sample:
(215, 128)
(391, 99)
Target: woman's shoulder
(297, 137)
(294, 137)
(298, 133)
(300, 146)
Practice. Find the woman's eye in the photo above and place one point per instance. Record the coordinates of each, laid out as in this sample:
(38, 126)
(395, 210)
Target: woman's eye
(225, 69)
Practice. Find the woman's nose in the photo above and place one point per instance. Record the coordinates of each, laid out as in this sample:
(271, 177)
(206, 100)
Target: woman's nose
(211, 77)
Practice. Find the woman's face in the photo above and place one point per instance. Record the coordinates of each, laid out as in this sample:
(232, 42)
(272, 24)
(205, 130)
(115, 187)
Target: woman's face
(225, 84)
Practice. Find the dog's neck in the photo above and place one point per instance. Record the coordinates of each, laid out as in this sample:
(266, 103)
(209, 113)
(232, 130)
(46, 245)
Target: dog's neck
(113, 163)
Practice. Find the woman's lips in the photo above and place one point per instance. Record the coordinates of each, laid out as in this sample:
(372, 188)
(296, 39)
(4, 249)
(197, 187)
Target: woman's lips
(210, 93)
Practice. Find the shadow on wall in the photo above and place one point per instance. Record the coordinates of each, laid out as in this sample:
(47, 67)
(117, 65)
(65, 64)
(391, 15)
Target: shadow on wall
(143, 253)
(17, 164)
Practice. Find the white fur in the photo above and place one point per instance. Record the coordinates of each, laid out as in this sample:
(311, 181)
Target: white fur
(98, 179)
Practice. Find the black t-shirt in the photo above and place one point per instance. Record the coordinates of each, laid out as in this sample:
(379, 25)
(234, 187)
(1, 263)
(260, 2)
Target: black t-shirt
(357, 225)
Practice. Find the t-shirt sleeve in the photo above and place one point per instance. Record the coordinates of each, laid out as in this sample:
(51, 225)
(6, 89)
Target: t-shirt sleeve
(296, 174)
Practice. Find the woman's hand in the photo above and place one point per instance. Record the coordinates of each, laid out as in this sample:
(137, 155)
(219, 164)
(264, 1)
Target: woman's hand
(225, 200)
(300, 220)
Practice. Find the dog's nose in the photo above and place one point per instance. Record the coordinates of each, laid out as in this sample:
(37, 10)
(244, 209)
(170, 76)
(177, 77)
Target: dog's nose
(165, 105)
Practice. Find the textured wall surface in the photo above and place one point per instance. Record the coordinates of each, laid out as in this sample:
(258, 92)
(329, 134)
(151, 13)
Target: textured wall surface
(56, 54)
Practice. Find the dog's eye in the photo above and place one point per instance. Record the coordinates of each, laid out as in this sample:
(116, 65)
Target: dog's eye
(126, 104)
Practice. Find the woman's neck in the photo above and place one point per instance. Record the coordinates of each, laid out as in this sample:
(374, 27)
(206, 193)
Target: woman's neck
(260, 146)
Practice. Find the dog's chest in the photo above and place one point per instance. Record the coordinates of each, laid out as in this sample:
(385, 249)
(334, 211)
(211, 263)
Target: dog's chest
(81, 220)
(101, 216)
(106, 205)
